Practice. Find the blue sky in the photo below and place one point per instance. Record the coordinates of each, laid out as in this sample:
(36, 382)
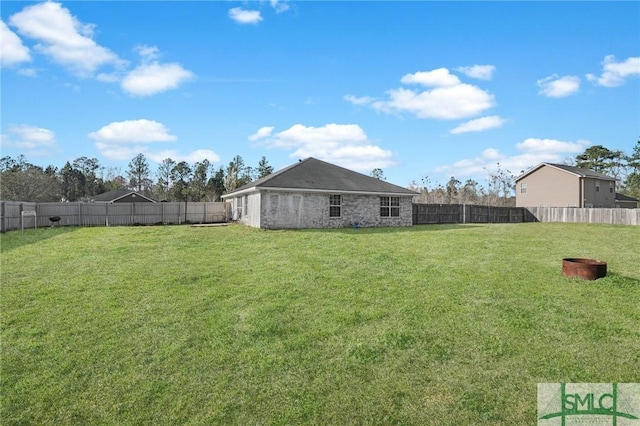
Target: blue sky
(418, 89)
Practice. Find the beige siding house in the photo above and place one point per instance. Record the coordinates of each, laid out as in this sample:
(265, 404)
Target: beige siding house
(559, 185)
(315, 194)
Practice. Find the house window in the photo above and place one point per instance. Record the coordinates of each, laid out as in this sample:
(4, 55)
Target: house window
(335, 201)
(597, 186)
(611, 187)
(390, 206)
(523, 188)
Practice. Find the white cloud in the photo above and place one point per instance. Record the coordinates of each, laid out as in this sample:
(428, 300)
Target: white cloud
(122, 140)
(69, 42)
(63, 38)
(129, 131)
(30, 139)
(472, 166)
(150, 77)
(192, 157)
(343, 144)
(12, 51)
(481, 72)
(614, 73)
(479, 124)
(329, 134)
(532, 152)
(444, 103)
(153, 78)
(109, 77)
(446, 98)
(555, 86)
(551, 146)
(148, 53)
(437, 78)
(27, 72)
(363, 100)
(279, 6)
(120, 152)
(243, 16)
(262, 133)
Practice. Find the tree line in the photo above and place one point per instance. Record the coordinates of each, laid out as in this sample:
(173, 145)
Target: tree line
(499, 188)
(615, 163)
(84, 178)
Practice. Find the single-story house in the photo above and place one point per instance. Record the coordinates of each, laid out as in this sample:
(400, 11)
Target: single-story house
(315, 194)
(559, 185)
(626, 202)
(122, 196)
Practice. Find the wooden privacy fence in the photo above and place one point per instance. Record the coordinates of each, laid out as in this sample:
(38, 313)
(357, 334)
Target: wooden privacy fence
(584, 215)
(118, 214)
(469, 213)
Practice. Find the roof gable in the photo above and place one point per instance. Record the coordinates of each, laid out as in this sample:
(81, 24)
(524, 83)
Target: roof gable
(116, 194)
(622, 197)
(314, 174)
(577, 171)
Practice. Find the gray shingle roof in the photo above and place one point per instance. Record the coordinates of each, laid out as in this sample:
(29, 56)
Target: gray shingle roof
(314, 174)
(570, 169)
(116, 194)
(581, 172)
(622, 197)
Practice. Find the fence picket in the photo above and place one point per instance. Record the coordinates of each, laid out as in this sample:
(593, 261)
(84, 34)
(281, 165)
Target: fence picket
(471, 213)
(117, 214)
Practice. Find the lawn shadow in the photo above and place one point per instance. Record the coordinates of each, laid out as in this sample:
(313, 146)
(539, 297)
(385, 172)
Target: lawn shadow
(15, 239)
(615, 280)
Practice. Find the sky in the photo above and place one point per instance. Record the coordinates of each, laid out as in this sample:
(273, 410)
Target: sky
(422, 90)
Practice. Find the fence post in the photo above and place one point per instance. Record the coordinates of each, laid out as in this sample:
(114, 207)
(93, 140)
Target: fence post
(2, 217)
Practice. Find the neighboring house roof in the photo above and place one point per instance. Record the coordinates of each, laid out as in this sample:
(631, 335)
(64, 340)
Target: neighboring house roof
(316, 175)
(569, 169)
(622, 197)
(116, 194)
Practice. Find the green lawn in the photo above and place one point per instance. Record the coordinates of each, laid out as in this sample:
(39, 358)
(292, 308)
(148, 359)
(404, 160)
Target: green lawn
(426, 325)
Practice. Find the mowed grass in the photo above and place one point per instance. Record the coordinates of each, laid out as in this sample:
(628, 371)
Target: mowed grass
(231, 325)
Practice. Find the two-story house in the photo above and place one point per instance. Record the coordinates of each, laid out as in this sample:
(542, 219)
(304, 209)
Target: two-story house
(559, 185)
